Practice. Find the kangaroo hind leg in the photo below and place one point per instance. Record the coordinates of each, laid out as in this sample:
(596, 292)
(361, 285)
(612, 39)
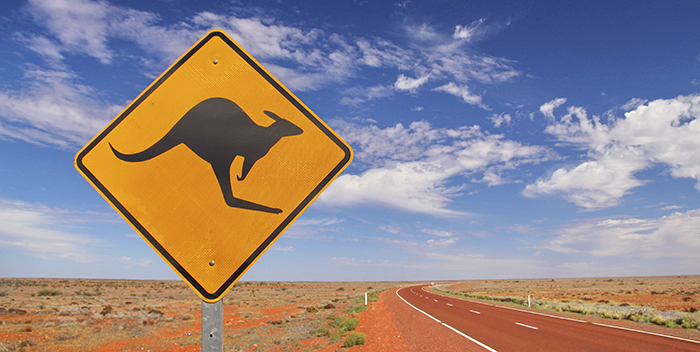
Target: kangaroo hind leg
(223, 175)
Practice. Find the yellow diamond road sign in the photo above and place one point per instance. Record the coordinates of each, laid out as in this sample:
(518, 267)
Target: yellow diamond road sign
(212, 162)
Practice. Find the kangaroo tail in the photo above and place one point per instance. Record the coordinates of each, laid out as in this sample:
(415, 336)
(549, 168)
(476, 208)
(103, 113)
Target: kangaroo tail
(151, 152)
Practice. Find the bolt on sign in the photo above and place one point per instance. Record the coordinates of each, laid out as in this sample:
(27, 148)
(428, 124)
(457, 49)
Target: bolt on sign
(213, 162)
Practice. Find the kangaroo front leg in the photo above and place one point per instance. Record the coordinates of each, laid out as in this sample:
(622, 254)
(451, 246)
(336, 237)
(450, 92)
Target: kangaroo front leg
(223, 175)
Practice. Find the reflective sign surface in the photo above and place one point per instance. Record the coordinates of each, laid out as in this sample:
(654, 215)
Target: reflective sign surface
(212, 162)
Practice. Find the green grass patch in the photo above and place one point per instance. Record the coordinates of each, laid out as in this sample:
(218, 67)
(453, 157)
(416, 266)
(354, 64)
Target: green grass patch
(49, 292)
(354, 339)
(349, 324)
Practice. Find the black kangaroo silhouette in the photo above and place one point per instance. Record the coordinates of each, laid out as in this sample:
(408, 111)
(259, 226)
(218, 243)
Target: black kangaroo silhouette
(218, 131)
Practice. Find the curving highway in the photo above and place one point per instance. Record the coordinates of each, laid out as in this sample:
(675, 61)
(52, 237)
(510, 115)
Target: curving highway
(498, 328)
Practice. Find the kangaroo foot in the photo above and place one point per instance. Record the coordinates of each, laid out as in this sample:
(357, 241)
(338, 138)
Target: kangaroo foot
(244, 204)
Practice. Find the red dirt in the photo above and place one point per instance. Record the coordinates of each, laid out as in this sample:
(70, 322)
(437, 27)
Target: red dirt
(393, 326)
(377, 323)
(679, 293)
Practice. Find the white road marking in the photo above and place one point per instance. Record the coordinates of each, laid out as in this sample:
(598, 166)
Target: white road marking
(527, 326)
(520, 310)
(435, 300)
(449, 304)
(574, 320)
(470, 338)
(647, 332)
(447, 326)
(475, 312)
(546, 315)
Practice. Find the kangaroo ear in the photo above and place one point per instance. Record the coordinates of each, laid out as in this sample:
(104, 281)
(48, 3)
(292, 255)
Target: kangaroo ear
(272, 115)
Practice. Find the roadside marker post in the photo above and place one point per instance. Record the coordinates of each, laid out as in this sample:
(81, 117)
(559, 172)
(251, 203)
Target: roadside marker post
(210, 164)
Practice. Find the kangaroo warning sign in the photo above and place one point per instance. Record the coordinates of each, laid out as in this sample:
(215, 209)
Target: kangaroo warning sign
(213, 162)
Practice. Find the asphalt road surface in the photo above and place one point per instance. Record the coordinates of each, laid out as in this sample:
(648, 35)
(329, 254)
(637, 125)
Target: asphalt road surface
(498, 328)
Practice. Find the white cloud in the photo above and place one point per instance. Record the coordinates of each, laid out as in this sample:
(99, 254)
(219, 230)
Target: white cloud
(593, 184)
(499, 119)
(282, 248)
(633, 104)
(410, 84)
(37, 231)
(673, 236)
(395, 229)
(441, 241)
(79, 25)
(463, 92)
(662, 132)
(468, 33)
(302, 58)
(410, 168)
(547, 109)
(312, 228)
(413, 186)
(53, 110)
(319, 222)
(439, 233)
(357, 96)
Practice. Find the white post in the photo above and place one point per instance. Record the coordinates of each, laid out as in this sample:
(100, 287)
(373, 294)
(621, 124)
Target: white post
(365, 298)
(528, 300)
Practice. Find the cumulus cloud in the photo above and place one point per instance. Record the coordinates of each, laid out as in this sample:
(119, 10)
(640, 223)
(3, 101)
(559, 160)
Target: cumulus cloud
(410, 168)
(663, 132)
(547, 109)
(500, 119)
(672, 236)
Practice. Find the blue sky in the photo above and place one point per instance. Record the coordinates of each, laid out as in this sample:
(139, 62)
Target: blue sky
(506, 139)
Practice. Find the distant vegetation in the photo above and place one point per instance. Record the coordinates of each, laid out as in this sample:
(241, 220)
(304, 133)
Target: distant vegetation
(48, 292)
(602, 309)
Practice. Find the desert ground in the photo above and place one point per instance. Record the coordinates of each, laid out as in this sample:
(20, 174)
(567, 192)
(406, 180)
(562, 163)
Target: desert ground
(134, 315)
(667, 301)
(127, 315)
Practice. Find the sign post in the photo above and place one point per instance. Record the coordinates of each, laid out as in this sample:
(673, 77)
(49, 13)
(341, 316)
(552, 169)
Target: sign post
(211, 164)
(212, 326)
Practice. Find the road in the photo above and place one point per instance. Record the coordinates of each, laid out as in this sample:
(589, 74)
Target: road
(498, 328)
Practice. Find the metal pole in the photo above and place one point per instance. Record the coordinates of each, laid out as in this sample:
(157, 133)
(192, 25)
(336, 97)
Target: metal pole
(212, 326)
(528, 300)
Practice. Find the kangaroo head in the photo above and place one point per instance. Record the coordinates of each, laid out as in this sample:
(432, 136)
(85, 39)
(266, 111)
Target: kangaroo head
(282, 127)
(279, 129)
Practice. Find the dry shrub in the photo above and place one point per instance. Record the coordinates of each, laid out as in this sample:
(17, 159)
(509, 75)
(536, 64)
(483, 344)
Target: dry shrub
(355, 338)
